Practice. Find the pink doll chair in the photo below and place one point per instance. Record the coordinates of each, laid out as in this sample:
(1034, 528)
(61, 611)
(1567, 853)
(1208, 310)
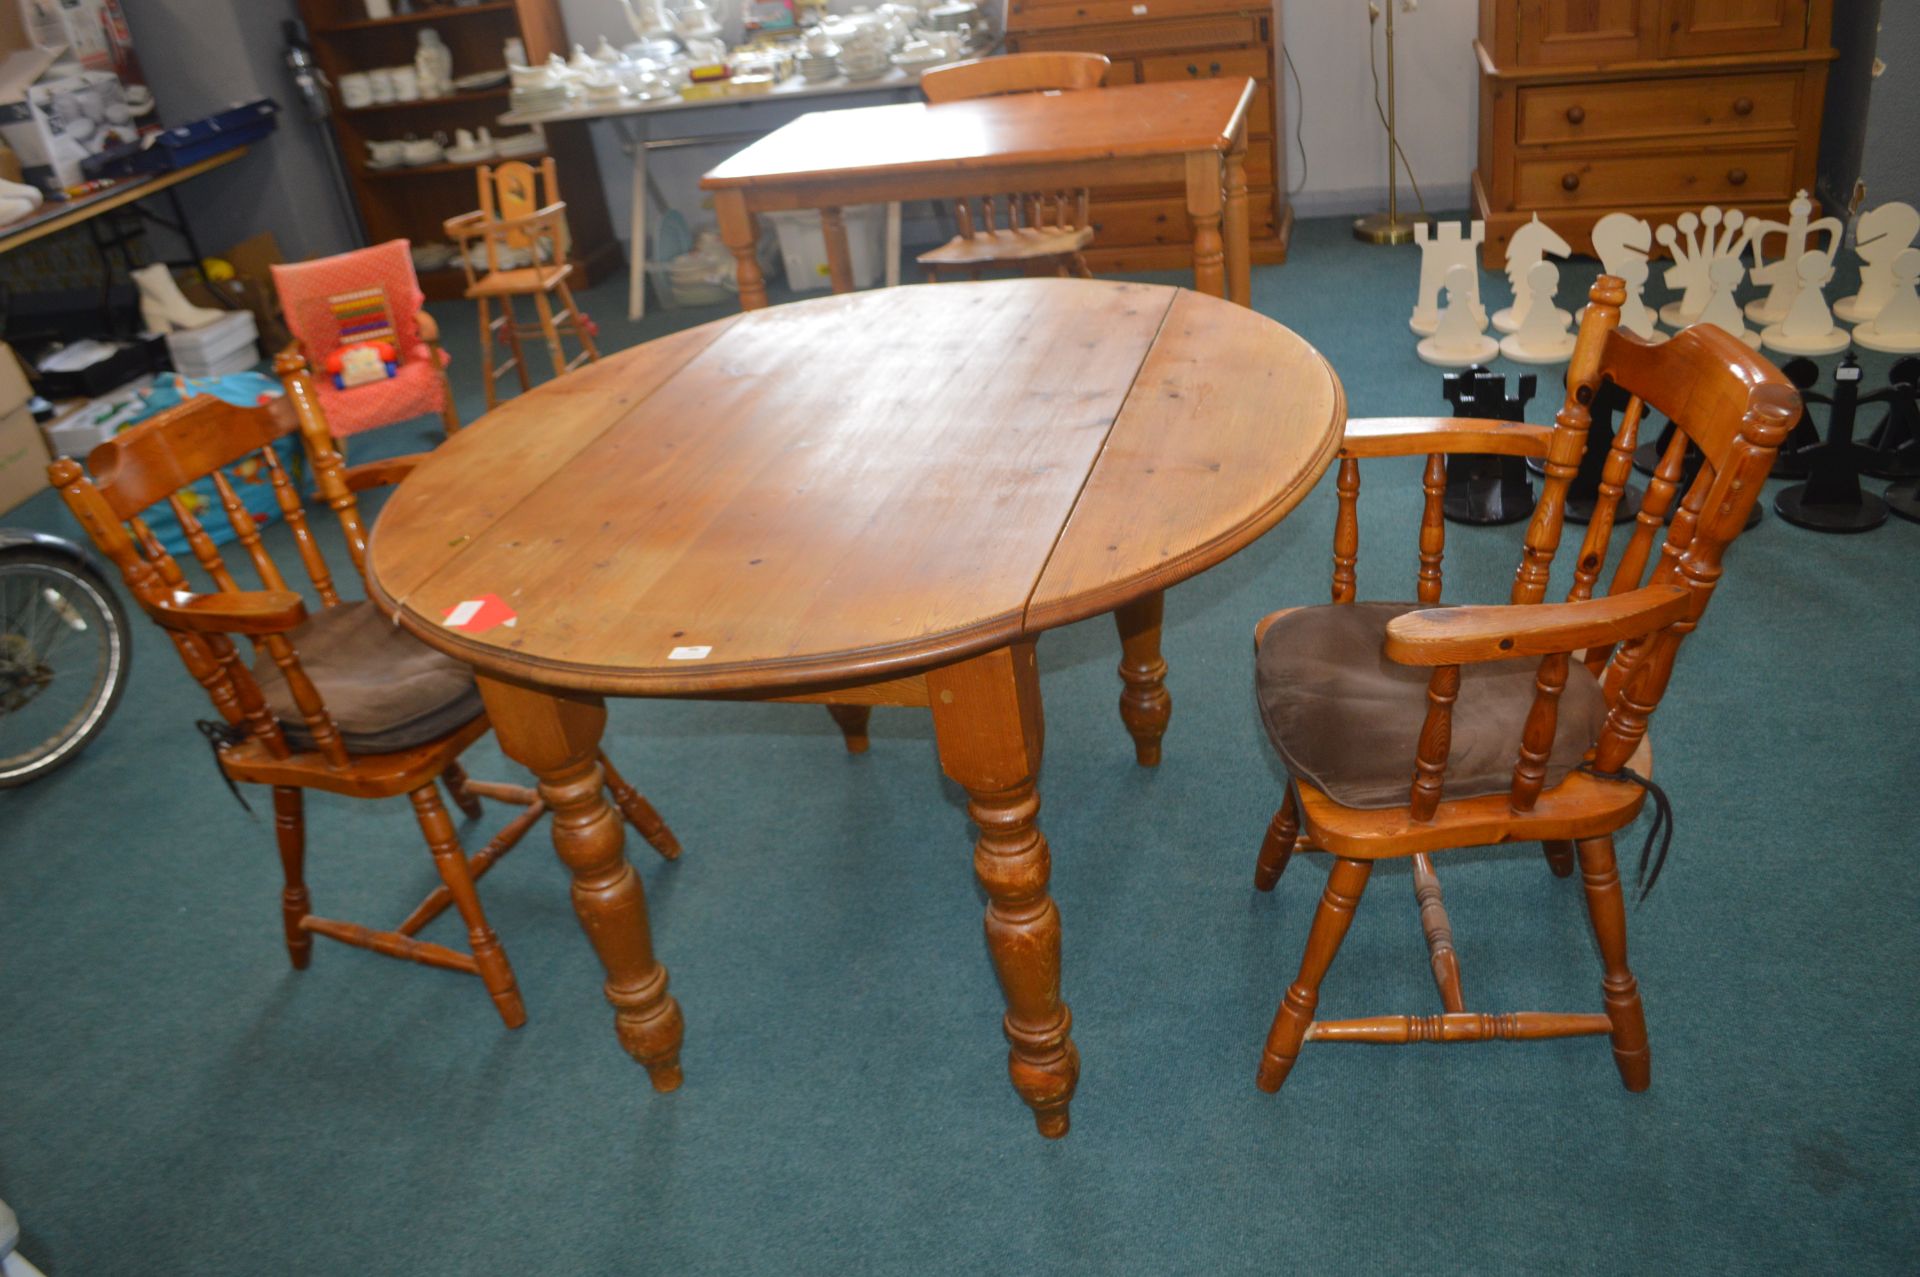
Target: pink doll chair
(370, 295)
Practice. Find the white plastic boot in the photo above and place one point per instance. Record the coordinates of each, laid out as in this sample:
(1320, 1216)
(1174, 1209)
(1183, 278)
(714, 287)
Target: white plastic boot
(163, 307)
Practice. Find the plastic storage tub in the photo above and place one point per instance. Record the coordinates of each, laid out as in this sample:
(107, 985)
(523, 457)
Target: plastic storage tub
(804, 248)
(227, 345)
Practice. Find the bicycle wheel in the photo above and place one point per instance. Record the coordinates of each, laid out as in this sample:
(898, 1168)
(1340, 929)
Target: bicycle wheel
(64, 651)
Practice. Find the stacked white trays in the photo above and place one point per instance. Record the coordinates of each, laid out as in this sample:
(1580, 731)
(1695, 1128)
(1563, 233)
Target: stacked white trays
(228, 345)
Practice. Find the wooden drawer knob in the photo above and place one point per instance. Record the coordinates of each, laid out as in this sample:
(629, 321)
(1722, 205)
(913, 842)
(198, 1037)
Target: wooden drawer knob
(1743, 106)
(1571, 182)
(1576, 115)
(1737, 177)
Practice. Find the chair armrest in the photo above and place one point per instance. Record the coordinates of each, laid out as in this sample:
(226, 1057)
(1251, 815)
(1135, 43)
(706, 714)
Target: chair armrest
(465, 226)
(1415, 436)
(383, 473)
(236, 612)
(539, 217)
(1458, 635)
(427, 326)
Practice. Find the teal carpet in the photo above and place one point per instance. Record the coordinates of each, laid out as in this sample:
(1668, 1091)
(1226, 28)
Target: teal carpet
(173, 1099)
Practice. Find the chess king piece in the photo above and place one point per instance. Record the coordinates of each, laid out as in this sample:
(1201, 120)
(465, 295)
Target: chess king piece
(1532, 243)
(1808, 328)
(1782, 276)
(1460, 337)
(1483, 488)
(1722, 310)
(1896, 329)
(1547, 335)
(1440, 252)
(1693, 258)
(1879, 236)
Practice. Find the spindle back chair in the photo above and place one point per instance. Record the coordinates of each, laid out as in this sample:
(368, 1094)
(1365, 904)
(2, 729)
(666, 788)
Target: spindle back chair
(276, 726)
(1033, 230)
(1570, 785)
(520, 229)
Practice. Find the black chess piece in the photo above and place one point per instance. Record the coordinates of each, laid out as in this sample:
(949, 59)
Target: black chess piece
(1832, 500)
(1893, 449)
(1583, 493)
(1791, 461)
(1483, 488)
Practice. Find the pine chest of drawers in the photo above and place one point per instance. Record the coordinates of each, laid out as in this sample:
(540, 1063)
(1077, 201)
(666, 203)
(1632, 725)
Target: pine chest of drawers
(1650, 107)
(1146, 227)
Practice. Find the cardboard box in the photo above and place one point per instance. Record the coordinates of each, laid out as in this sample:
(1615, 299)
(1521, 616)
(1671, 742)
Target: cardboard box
(23, 455)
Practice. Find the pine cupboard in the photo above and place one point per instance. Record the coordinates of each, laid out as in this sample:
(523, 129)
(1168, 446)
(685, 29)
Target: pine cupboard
(1147, 227)
(1645, 106)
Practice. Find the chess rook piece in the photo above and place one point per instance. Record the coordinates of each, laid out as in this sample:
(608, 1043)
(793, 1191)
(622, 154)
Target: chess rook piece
(1893, 449)
(1482, 488)
(1832, 500)
(1532, 243)
(1460, 338)
(1546, 335)
(1895, 330)
(1440, 251)
(1726, 236)
(1722, 310)
(1808, 328)
(1782, 276)
(1879, 236)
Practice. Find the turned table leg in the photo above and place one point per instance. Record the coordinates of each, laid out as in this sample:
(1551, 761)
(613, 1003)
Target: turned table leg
(1204, 190)
(1145, 705)
(557, 738)
(833, 229)
(987, 724)
(742, 238)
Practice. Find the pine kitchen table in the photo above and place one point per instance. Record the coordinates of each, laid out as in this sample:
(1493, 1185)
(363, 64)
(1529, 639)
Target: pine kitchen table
(1192, 132)
(877, 499)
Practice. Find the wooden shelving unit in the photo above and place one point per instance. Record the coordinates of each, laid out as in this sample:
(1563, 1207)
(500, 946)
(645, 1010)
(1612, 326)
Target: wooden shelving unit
(412, 202)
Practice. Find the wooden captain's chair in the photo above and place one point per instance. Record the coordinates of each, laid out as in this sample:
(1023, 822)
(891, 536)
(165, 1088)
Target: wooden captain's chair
(1409, 729)
(1031, 230)
(331, 697)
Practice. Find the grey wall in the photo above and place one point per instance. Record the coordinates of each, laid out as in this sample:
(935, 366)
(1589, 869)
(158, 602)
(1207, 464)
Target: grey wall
(1890, 158)
(202, 55)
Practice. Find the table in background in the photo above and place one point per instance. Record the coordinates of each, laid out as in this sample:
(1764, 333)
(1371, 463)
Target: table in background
(879, 499)
(1170, 131)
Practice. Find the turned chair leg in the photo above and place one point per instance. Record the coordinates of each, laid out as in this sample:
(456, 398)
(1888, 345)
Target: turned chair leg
(544, 309)
(1606, 905)
(510, 329)
(486, 354)
(639, 812)
(1277, 848)
(853, 725)
(1330, 922)
(455, 777)
(290, 831)
(1559, 858)
(489, 959)
(582, 332)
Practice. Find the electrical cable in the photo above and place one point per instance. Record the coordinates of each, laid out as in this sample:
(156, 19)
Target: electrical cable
(1381, 111)
(1299, 117)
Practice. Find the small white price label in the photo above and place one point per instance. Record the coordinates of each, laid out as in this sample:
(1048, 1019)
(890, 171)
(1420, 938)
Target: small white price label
(689, 653)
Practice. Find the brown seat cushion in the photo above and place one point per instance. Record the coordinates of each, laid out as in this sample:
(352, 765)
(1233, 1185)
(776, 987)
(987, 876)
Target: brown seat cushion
(385, 689)
(1347, 720)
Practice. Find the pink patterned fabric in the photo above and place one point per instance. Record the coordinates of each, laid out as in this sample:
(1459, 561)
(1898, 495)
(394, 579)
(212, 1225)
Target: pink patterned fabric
(307, 290)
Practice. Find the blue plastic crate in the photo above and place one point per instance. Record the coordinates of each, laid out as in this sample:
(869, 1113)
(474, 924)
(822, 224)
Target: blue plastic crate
(187, 143)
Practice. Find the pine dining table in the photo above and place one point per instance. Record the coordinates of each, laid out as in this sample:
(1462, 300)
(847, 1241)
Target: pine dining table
(884, 498)
(1187, 132)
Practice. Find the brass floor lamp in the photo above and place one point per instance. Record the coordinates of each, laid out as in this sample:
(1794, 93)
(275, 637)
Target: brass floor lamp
(1388, 227)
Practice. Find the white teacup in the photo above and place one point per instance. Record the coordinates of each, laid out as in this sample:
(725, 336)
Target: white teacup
(356, 90)
(424, 150)
(386, 153)
(380, 84)
(406, 84)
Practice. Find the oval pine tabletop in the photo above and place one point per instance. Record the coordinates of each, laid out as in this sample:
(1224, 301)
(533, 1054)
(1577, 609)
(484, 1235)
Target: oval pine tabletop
(856, 487)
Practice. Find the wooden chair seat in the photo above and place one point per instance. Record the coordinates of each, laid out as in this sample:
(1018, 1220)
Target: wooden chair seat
(523, 282)
(374, 775)
(1008, 244)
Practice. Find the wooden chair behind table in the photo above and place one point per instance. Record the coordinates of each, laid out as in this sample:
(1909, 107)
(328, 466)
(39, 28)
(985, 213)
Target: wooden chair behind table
(524, 241)
(335, 698)
(1033, 231)
(1453, 739)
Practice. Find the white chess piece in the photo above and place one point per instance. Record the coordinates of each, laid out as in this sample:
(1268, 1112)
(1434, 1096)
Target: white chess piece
(1782, 276)
(1896, 329)
(1693, 257)
(1634, 315)
(1878, 239)
(1618, 240)
(1460, 337)
(1533, 242)
(1439, 253)
(1546, 336)
(1808, 328)
(1722, 310)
